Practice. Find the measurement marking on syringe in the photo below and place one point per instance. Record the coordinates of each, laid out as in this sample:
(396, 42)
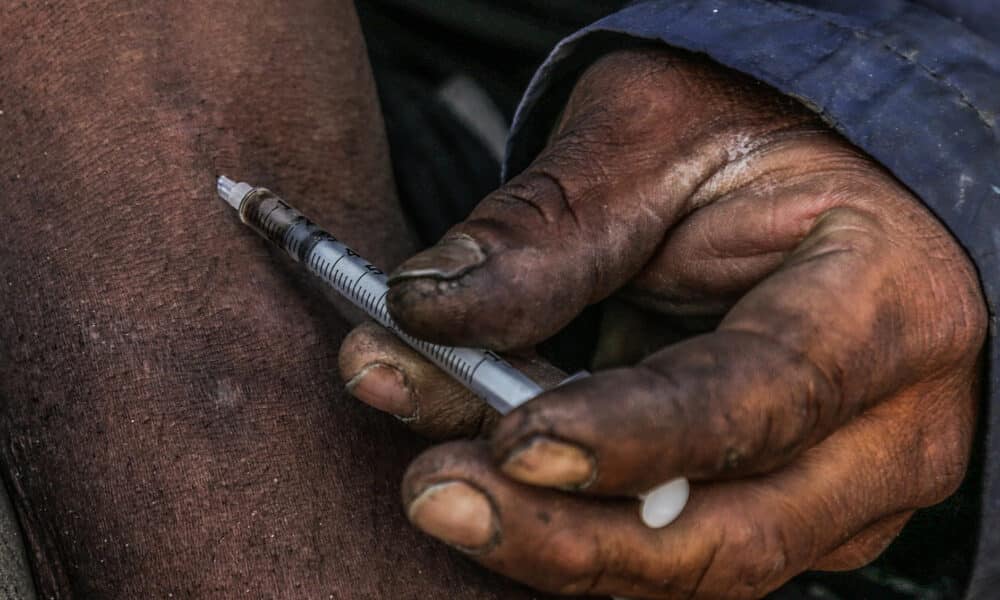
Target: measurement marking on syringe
(366, 301)
(383, 310)
(356, 284)
(337, 262)
(472, 372)
(355, 292)
(290, 242)
(340, 278)
(319, 265)
(270, 225)
(444, 355)
(376, 306)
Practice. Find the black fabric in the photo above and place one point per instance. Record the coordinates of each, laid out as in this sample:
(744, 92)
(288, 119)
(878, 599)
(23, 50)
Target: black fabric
(442, 170)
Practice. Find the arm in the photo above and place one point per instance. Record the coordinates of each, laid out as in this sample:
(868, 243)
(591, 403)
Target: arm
(172, 420)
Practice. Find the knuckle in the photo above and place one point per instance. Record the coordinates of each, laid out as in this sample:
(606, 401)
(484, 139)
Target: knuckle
(938, 282)
(950, 302)
(945, 474)
(865, 546)
(856, 556)
(943, 463)
(761, 554)
(576, 562)
(793, 415)
(544, 192)
(938, 444)
(616, 76)
(959, 314)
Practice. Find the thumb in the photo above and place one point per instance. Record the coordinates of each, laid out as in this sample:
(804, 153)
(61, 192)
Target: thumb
(640, 138)
(535, 252)
(531, 256)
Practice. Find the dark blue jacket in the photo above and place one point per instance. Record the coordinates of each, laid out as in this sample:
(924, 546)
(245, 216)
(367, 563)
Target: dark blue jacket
(916, 84)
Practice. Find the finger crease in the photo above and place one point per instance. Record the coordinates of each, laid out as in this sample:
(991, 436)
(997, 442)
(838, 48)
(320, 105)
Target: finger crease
(564, 200)
(708, 567)
(602, 568)
(812, 404)
(507, 196)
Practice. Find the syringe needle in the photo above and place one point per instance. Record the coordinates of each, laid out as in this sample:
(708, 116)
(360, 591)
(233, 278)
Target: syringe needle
(224, 186)
(486, 374)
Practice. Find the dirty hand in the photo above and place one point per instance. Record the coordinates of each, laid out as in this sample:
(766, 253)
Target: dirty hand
(835, 394)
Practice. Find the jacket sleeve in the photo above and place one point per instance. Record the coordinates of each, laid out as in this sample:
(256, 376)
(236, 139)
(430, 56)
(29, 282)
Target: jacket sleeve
(914, 87)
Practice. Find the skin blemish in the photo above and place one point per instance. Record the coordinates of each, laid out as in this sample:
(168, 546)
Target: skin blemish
(733, 459)
(228, 393)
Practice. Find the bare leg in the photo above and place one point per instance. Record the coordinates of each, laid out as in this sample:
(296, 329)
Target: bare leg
(172, 420)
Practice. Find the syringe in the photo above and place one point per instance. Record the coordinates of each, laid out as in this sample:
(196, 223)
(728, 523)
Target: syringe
(482, 371)
(492, 378)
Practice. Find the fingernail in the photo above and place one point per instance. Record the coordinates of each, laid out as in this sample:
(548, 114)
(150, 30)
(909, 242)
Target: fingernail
(456, 513)
(552, 463)
(384, 387)
(449, 259)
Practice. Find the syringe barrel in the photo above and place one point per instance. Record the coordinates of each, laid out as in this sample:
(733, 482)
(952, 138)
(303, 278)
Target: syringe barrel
(277, 222)
(489, 376)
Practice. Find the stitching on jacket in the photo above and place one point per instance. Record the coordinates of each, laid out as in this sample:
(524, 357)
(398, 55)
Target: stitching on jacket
(984, 116)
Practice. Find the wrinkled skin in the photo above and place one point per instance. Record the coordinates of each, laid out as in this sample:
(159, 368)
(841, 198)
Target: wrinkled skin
(836, 394)
(172, 422)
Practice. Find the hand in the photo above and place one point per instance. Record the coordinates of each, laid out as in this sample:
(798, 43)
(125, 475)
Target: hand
(835, 394)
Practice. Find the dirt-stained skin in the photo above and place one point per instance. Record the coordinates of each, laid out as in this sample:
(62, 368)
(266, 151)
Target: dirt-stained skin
(836, 395)
(172, 422)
